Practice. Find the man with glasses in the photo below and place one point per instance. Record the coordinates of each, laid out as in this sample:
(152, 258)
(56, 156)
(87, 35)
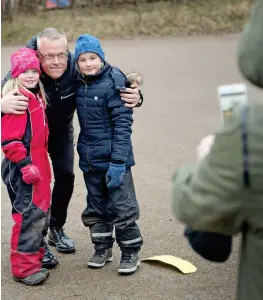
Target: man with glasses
(58, 78)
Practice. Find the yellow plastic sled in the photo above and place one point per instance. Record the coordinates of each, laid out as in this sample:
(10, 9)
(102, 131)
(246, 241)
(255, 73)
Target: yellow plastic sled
(182, 265)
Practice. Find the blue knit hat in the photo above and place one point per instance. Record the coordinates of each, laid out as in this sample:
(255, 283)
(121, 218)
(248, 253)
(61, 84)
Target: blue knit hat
(88, 43)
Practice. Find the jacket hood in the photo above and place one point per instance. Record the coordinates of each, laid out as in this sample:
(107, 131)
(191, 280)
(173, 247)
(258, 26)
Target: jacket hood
(32, 43)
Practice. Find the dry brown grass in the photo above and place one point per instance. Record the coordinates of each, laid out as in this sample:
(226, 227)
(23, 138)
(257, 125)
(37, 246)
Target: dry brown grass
(152, 19)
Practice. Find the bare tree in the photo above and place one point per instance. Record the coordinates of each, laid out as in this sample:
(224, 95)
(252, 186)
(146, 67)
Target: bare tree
(28, 6)
(72, 3)
(6, 12)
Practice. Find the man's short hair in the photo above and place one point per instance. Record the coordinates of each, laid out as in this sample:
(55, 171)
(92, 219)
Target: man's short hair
(51, 34)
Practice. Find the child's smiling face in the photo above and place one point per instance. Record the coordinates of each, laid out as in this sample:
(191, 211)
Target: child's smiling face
(89, 63)
(29, 78)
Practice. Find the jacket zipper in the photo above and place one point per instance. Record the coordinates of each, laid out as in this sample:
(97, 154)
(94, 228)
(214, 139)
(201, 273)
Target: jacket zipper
(85, 106)
(42, 107)
(44, 117)
(43, 111)
(56, 85)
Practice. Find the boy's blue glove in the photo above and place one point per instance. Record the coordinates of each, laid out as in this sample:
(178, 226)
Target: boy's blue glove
(115, 175)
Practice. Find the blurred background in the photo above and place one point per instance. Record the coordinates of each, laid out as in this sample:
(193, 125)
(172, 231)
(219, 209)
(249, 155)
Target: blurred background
(121, 18)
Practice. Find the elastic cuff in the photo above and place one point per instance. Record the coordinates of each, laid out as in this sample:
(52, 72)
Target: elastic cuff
(117, 162)
(121, 165)
(24, 162)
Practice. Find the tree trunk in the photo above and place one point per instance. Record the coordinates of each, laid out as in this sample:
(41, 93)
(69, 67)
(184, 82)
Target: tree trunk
(6, 12)
(28, 6)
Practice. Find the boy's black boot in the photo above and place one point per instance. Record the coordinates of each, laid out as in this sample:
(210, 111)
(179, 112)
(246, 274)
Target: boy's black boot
(129, 263)
(101, 255)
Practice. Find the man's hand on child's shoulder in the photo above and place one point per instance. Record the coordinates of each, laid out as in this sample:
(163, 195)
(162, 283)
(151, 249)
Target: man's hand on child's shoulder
(14, 103)
(132, 95)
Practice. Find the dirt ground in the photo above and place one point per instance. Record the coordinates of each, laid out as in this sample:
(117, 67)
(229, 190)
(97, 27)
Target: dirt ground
(181, 76)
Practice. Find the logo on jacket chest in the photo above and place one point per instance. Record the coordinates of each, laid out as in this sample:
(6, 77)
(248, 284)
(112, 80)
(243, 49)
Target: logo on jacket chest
(96, 98)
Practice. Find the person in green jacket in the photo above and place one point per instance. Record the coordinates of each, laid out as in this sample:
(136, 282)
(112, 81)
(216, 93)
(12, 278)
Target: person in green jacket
(223, 191)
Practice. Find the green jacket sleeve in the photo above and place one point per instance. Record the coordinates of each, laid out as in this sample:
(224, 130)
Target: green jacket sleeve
(250, 49)
(208, 195)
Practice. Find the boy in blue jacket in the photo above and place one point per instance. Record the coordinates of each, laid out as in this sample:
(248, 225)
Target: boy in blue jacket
(106, 157)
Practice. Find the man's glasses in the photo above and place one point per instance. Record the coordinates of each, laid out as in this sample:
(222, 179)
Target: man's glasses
(51, 57)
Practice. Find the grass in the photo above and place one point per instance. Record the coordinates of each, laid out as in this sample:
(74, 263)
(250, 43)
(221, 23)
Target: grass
(148, 19)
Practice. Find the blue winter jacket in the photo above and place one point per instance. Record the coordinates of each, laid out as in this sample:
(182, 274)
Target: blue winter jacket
(105, 122)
